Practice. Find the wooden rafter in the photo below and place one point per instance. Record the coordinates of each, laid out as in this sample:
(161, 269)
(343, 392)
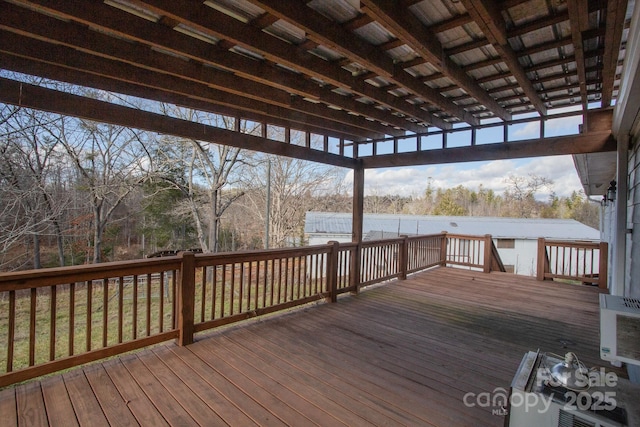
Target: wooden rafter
(165, 39)
(408, 28)
(39, 98)
(211, 21)
(327, 32)
(578, 14)
(359, 73)
(616, 12)
(268, 114)
(594, 142)
(488, 17)
(76, 60)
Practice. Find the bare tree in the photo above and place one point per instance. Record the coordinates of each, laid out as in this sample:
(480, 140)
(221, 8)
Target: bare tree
(292, 185)
(521, 191)
(207, 174)
(111, 161)
(31, 182)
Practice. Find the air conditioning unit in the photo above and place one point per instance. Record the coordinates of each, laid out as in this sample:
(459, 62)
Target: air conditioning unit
(620, 329)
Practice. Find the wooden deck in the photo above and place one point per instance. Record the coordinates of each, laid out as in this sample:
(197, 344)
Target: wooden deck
(404, 353)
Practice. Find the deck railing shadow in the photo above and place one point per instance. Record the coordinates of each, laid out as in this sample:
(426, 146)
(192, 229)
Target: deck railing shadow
(58, 318)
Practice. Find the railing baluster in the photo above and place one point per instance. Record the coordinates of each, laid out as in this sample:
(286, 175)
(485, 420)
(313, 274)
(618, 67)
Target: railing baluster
(174, 296)
(203, 299)
(214, 290)
(233, 292)
(120, 307)
(265, 278)
(11, 333)
(105, 312)
(72, 316)
(89, 287)
(52, 323)
(32, 326)
(134, 309)
(161, 303)
(241, 292)
(249, 284)
(148, 291)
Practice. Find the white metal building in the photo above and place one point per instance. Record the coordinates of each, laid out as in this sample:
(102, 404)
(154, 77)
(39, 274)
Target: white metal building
(515, 238)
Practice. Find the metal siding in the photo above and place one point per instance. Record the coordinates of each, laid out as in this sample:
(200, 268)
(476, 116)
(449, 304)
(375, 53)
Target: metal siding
(633, 222)
(519, 228)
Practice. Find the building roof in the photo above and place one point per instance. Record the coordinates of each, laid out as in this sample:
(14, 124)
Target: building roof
(514, 228)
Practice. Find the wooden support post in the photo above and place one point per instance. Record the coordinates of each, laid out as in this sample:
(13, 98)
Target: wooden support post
(487, 253)
(404, 257)
(357, 224)
(186, 298)
(443, 250)
(354, 269)
(332, 270)
(603, 268)
(542, 256)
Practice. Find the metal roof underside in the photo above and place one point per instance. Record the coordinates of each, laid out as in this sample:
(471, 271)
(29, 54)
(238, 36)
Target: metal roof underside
(355, 70)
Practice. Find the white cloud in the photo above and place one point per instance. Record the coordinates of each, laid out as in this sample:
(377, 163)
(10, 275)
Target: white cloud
(412, 181)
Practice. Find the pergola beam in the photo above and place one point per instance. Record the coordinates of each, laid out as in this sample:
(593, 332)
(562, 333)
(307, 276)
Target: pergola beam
(579, 17)
(407, 27)
(616, 12)
(210, 21)
(489, 18)
(223, 88)
(272, 115)
(328, 33)
(40, 98)
(593, 142)
(266, 79)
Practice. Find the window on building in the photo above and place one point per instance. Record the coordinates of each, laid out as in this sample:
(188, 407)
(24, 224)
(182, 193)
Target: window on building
(506, 243)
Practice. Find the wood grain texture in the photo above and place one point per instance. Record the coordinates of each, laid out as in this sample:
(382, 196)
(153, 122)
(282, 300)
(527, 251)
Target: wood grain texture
(405, 353)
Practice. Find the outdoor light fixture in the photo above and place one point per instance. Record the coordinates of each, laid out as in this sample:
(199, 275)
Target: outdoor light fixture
(611, 191)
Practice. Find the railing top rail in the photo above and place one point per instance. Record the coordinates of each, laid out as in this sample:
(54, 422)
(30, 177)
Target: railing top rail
(258, 255)
(378, 242)
(348, 245)
(61, 275)
(465, 236)
(573, 243)
(427, 236)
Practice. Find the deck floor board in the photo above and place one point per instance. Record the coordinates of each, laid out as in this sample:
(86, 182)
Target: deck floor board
(401, 354)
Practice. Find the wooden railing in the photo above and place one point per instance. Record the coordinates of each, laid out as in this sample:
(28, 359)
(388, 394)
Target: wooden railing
(584, 262)
(474, 252)
(54, 319)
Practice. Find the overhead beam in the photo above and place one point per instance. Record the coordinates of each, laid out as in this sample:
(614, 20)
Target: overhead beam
(274, 115)
(324, 31)
(210, 21)
(40, 98)
(489, 18)
(407, 27)
(579, 17)
(79, 61)
(594, 142)
(96, 14)
(616, 12)
(80, 36)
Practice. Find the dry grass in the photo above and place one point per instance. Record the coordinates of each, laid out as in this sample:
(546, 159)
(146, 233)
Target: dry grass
(86, 319)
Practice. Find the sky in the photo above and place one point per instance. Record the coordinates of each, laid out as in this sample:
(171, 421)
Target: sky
(413, 181)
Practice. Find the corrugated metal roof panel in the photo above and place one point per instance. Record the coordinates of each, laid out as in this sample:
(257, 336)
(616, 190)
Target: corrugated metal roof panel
(514, 228)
